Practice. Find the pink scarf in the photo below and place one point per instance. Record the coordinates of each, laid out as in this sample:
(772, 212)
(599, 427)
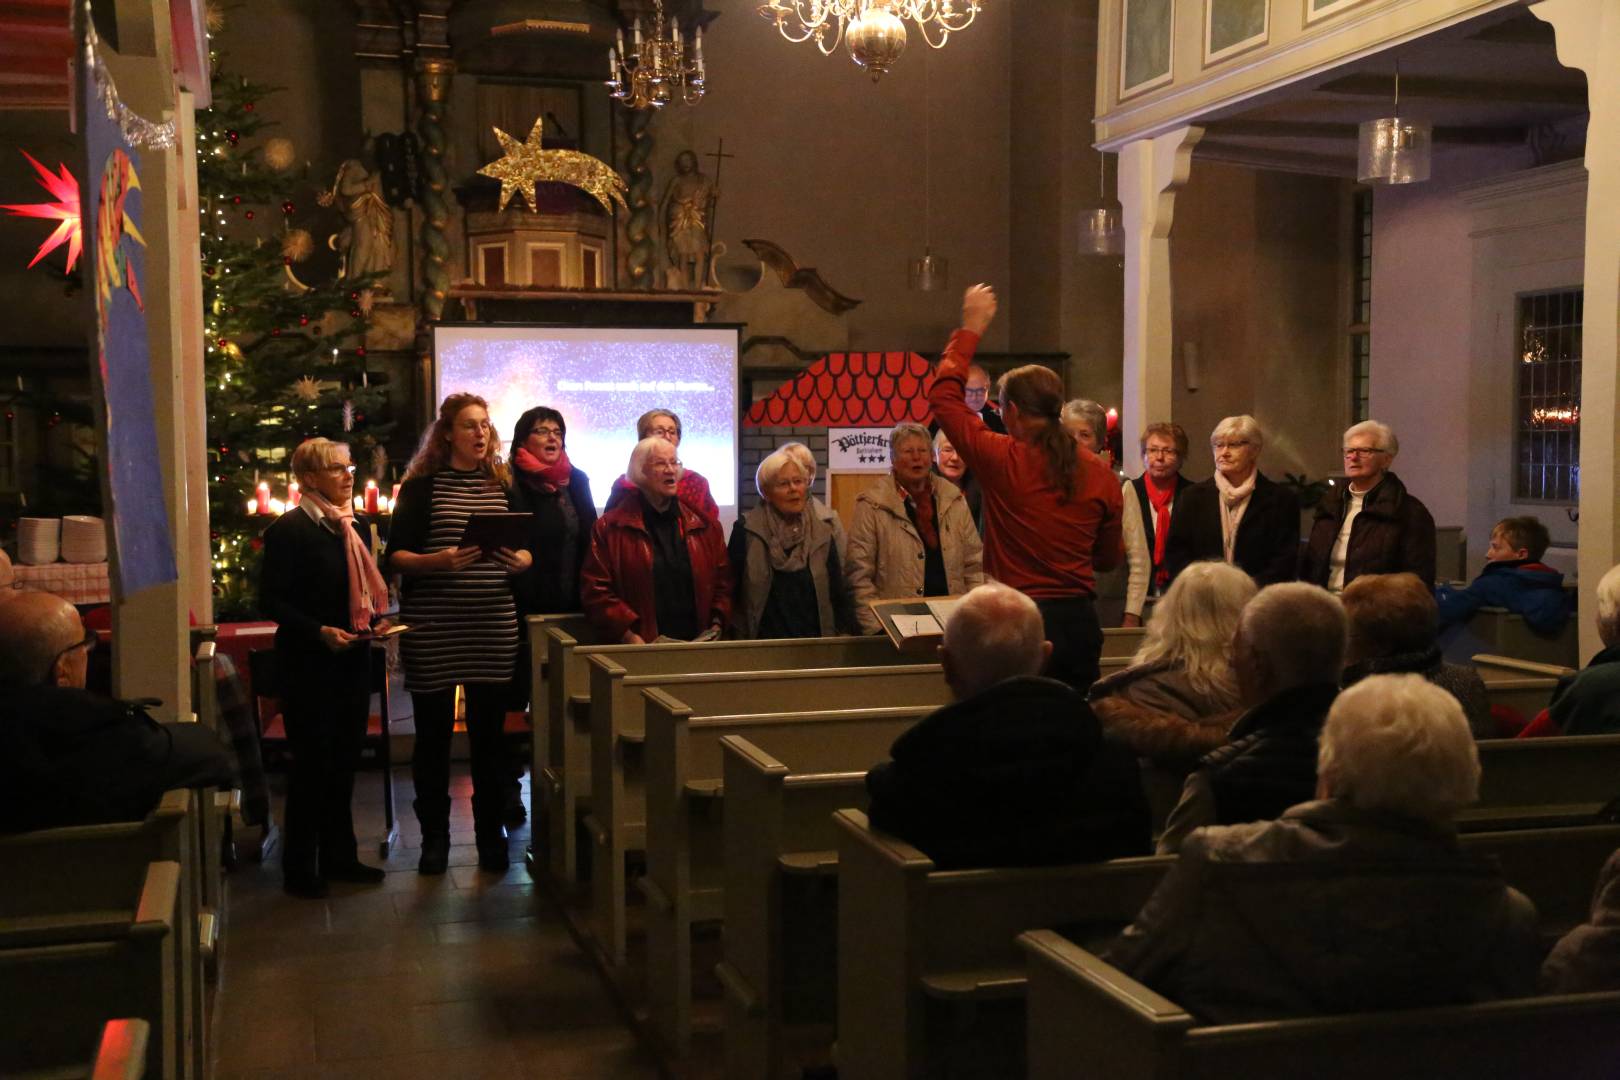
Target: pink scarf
(547, 478)
(368, 592)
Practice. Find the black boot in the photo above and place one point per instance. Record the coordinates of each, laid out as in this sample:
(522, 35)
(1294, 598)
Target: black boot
(493, 854)
(435, 853)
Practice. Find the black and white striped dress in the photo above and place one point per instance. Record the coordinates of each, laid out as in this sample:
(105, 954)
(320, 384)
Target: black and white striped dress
(465, 621)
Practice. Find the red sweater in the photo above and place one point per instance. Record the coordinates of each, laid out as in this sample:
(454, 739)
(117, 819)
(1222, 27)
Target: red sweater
(1035, 540)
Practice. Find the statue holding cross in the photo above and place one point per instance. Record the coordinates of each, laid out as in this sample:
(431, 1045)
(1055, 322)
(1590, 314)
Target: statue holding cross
(687, 211)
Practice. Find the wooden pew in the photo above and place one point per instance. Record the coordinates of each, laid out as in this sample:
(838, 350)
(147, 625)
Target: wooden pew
(566, 776)
(689, 825)
(780, 885)
(1522, 685)
(54, 871)
(120, 1054)
(544, 731)
(1121, 643)
(1500, 632)
(929, 939)
(62, 970)
(1088, 1019)
(618, 818)
(214, 810)
(1537, 783)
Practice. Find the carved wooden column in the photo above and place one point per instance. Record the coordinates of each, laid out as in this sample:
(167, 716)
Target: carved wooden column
(432, 89)
(1589, 39)
(1151, 171)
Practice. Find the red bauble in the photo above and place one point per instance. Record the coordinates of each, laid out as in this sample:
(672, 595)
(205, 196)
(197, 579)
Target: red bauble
(257, 543)
(275, 331)
(303, 320)
(286, 260)
(232, 136)
(248, 107)
(361, 351)
(248, 215)
(287, 207)
(236, 200)
(360, 418)
(354, 313)
(354, 296)
(221, 342)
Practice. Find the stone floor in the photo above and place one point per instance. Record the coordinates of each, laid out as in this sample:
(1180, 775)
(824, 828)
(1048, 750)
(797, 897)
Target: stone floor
(465, 975)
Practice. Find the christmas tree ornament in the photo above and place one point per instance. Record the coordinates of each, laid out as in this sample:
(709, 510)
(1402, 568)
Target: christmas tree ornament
(248, 215)
(64, 211)
(280, 154)
(233, 137)
(348, 416)
(307, 389)
(213, 18)
(288, 207)
(367, 299)
(528, 163)
(297, 245)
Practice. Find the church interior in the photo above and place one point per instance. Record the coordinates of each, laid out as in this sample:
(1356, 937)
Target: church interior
(228, 228)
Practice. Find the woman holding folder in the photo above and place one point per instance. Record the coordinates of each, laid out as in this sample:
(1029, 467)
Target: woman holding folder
(457, 600)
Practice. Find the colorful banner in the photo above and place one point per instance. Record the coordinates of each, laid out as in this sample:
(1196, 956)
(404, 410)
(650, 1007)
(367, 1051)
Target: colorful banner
(116, 265)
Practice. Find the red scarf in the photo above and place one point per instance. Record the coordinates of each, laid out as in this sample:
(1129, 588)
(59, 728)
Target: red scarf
(548, 478)
(1160, 499)
(923, 506)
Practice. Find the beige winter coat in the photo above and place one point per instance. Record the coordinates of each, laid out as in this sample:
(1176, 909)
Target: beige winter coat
(885, 550)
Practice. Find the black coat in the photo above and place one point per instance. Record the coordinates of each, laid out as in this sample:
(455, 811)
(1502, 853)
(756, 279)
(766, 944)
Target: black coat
(1393, 534)
(548, 587)
(1270, 764)
(1267, 546)
(1018, 775)
(304, 585)
(73, 757)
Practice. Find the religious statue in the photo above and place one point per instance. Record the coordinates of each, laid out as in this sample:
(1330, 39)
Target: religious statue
(367, 242)
(687, 210)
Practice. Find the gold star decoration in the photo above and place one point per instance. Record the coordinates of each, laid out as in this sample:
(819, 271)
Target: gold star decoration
(307, 389)
(526, 164)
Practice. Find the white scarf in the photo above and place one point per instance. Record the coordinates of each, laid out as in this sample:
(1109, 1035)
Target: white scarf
(1234, 501)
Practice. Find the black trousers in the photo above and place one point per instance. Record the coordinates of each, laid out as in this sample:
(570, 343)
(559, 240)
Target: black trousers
(325, 706)
(430, 766)
(1076, 637)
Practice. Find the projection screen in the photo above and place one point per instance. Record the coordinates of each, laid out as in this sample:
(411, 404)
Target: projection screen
(601, 379)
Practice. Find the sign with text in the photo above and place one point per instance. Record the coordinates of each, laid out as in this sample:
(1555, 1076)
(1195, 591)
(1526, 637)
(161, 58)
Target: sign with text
(858, 450)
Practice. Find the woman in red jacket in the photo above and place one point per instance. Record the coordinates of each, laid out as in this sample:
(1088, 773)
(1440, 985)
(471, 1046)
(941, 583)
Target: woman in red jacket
(657, 567)
(1051, 507)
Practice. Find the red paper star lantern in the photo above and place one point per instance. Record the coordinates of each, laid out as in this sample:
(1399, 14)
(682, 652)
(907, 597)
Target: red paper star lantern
(64, 211)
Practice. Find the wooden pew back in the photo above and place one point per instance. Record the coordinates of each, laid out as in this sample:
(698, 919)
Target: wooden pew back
(1532, 783)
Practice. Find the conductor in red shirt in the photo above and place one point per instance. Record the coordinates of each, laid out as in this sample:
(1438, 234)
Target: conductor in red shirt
(1051, 507)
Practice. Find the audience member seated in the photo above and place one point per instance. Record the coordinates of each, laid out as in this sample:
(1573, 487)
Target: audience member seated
(1372, 525)
(1356, 902)
(1587, 959)
(1589, 703)
(657, 567)
(789, 582)
(1238, 514)
(1514, 578)
(1179, 696)
(1287, 654)
(1393, 629)
(912, 534)
(1015, 771)
(72, 757)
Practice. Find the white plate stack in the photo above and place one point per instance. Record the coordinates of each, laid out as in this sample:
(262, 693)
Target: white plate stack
(38, 540)
(84, 539)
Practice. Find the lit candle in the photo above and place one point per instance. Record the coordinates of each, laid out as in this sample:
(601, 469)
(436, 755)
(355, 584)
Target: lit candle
(613, 66)
(294, 497)
(394, 498)
(253, 506)
(697, 35)
(675, 31)
(359, 503)
(619, 40)
(277, 506)
(383, 505)
(635, 31)
(371, 496)
(263, 502)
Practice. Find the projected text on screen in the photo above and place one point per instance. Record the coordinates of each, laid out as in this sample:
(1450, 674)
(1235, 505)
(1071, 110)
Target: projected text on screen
(601, 380)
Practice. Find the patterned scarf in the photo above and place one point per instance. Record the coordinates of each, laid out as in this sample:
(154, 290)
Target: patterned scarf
(922, 508)
(785, 537)
(535, 473)
(368, 592)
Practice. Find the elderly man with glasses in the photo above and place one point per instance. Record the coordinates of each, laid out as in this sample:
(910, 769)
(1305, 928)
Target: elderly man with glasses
(1372, 525)
(72, 757)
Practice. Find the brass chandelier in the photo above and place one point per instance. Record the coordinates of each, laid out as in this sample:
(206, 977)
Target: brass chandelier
(655, 71)
(874, 29)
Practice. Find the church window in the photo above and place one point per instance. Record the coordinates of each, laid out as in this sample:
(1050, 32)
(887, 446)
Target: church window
(1547, 413)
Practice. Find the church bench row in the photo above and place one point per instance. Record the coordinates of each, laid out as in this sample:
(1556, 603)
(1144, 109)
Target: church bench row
(930, 942)
(1085, 1018)
(64, 969)
(1500, 632)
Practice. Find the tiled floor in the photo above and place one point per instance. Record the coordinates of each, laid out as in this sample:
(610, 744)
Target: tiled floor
(465, 975)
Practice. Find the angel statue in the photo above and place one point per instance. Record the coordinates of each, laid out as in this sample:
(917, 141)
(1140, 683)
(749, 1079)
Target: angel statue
(367, 242)
(688, 212)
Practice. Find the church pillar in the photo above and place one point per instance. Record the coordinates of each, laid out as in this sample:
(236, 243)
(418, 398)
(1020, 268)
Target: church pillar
(1151, 171)
(1589, 39)
(432, 91)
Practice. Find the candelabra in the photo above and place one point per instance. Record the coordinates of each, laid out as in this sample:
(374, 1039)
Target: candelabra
(656, 70)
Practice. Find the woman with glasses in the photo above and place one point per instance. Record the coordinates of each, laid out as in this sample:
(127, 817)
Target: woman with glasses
(1237, 515)
(321, 586)
(657, 567)
(692, 489)
(559, 496)
(1150, 504)
(1372, 525)
(459, 605)
(784, 552)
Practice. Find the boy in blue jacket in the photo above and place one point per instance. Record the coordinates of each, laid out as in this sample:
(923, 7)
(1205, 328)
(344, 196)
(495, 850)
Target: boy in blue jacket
(1514, 578)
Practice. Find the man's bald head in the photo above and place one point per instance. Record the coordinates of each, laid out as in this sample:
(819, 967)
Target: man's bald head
(36, 628)
(995, 633)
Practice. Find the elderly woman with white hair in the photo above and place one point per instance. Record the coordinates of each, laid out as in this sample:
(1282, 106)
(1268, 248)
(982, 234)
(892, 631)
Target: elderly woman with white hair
(1237, 515)
(912, 534)
(1088, 422)
(1359, 900)
(1589, 703)
(1179, 696)
(657, 567)
(789, 582)
(1372, 525)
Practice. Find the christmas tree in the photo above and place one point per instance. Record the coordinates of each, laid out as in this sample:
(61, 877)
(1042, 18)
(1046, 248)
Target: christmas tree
(284, 360)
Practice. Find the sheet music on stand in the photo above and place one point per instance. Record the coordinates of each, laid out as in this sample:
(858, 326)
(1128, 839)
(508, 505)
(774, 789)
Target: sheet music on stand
(916, 627)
